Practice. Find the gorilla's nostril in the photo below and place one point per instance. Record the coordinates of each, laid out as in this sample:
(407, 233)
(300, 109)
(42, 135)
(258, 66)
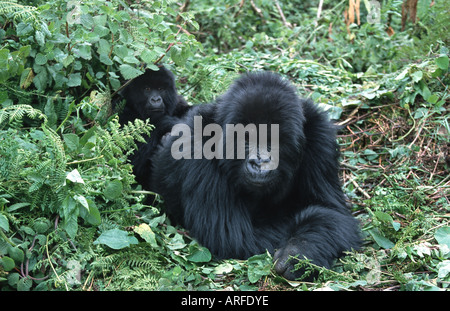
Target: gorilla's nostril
(156, 99)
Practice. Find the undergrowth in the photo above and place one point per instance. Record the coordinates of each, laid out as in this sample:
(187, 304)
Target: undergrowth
(72, 216)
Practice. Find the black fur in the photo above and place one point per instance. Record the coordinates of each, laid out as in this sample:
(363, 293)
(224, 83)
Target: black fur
(153, 96)
(297, 209)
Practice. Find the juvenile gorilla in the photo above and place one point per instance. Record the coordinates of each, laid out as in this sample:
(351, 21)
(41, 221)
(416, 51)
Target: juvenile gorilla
(151, 95)
(236, 208)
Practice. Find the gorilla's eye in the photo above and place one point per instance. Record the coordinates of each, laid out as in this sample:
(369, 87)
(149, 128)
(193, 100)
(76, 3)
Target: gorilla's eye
(148, 88)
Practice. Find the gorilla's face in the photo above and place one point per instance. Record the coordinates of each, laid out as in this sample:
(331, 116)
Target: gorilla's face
(274, 111)
(152, 93)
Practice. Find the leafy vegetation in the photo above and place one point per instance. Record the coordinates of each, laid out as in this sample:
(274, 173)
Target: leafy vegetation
(72, 216)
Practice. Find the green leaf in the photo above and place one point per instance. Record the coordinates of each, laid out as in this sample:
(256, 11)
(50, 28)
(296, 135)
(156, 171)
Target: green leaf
(40, 59)
(71, 221)
(148, 56)
(41, 225)
(26, 78)
(387, 218)
(442, 235)
(82, 200)
(113, 189)
(402, 74)
(106, 60)
(74, 80)
(202, 254)
(94, 215)
(417, 76)
(41, 80)
(381, 240)
(16, 254)
(147, 234)
(258, 266)
(75, 177)
(8, 263)
(17, 206)
(116, 239)
(223, 268)
(444, 269)
(433, 99)
(68, 60)
(13, 278)
(24, 284)
(129, 72)
(442, 62)
(72, 141)
(4, 224)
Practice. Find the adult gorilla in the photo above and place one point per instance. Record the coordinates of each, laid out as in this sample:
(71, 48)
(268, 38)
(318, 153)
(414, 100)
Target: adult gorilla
(236, 207)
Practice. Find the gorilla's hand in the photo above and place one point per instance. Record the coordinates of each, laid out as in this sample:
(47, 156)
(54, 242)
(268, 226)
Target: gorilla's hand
(287, 257)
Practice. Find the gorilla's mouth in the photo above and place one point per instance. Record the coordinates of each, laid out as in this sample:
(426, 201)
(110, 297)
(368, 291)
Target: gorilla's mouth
(262, 179)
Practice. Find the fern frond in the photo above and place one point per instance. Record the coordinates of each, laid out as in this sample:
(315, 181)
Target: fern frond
(17, 112)
(58, 147)
(18, 12)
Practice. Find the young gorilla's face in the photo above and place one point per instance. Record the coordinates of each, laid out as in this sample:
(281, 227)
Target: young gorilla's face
(152, 93)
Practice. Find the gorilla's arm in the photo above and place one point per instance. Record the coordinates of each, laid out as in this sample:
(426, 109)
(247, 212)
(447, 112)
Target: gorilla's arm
(325, 229)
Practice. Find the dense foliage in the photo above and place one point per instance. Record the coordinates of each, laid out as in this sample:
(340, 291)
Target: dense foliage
(72, 216)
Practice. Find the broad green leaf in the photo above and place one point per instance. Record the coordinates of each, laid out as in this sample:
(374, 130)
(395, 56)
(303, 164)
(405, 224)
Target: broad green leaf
(24, 51)
(13, 278)
(444, 268)
(41, 226)
(94, 215)
(417, 76)
(223, 268)
(402, 74)
(74, 176)
(129, 72)
(148, 56)
(442, 235)
(40, 59)
(8, 263)
(17, 206)
(82, 200)
(4, 224)
(106, 60)
(442, 62)
(72, 141)
(68, 60)
(40, 80)
(116, 239)
(113, 190)
(202, 254)
(381, 240)
(16, 254)
(258, 266)
(71, 223)
(74, 80)
(147, 234)
(24, 284)
(26, 78)
(83, 51)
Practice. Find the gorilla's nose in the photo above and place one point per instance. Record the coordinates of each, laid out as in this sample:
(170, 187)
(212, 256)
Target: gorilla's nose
(156, 102)
(255, 165)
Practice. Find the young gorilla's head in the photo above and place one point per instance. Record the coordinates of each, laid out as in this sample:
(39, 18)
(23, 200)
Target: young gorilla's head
(264, 101)
(152, 94)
